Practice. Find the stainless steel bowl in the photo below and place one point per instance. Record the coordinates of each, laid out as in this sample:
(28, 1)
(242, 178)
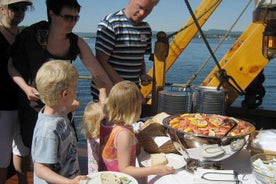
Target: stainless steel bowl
(192, 140)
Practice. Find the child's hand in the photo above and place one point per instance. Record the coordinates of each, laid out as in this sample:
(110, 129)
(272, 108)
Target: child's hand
(164, 170)
(77, 179)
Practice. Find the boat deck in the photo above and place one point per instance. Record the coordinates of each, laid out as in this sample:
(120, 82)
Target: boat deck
(82, 151)
(262, 119)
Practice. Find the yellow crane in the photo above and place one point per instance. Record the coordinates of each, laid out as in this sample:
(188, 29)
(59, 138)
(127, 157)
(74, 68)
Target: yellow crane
(243, 62)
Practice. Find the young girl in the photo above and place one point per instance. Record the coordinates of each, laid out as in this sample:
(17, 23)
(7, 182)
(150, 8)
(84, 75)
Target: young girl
(93, 114)
(123, 108)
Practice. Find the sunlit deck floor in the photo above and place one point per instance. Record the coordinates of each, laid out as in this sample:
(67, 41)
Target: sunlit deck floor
(82, 151)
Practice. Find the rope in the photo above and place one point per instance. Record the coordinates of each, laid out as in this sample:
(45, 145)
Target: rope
(201, 33)
(221, 74)
(188, 83)
(199, 17)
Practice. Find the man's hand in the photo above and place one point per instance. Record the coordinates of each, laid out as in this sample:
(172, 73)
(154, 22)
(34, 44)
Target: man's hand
(145, 79)
(99, 82)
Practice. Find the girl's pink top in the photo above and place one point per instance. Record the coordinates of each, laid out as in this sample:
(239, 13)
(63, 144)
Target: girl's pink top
(109, 153)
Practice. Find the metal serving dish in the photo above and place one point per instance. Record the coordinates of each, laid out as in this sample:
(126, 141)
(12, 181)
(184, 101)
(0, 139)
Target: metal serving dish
(193, 140)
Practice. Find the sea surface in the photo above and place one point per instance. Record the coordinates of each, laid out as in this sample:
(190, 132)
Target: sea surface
(186, 65)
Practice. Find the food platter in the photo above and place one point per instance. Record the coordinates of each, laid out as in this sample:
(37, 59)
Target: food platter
(208, 124)
(174, 160)
(95, 178)
(197, 129)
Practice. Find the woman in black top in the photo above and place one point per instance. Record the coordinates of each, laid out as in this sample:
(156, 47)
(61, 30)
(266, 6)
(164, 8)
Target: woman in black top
(38, 44)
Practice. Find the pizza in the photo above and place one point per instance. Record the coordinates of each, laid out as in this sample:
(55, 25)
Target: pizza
(209, 124)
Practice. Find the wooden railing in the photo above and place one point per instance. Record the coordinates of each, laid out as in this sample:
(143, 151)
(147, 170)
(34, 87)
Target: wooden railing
(83, 96)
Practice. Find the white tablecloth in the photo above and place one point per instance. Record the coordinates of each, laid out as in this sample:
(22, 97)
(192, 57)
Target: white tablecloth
(239, 162)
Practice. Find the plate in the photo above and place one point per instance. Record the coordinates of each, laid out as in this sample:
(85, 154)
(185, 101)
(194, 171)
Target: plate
(174, 160)
(95, 178)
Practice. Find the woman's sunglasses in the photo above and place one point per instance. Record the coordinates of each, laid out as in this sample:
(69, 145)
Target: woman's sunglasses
(70, 18)
(17, 7)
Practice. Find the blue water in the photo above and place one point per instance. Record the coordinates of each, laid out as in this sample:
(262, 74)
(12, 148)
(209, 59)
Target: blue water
(186, 65)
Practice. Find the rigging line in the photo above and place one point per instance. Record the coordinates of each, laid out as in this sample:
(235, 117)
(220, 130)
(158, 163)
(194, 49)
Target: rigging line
(221, 74)
(199, 17)
(188, 83)
(202, 34)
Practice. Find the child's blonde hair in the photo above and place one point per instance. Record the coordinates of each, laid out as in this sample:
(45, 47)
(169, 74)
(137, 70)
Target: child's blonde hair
(53, 77)
(92, 116)
(123, 106)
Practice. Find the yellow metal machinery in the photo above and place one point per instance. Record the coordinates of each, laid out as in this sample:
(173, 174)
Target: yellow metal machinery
(180, 42)
(243, 62)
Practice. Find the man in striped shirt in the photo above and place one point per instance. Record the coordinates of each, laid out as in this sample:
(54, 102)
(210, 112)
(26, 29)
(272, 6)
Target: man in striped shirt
(123, 38)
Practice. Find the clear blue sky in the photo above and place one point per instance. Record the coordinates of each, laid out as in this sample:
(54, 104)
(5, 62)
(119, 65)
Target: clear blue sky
(168, 15)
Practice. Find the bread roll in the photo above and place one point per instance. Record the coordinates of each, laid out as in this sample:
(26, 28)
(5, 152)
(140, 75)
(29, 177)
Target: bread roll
(152, 128)
(160, 117)
(158, 159)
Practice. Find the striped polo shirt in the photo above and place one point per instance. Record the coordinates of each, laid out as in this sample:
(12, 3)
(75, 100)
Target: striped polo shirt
(125, 42)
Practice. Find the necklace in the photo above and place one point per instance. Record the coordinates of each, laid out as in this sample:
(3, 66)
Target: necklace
(9, 31)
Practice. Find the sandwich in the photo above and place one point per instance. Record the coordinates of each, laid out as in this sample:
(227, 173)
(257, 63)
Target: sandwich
(110, 178)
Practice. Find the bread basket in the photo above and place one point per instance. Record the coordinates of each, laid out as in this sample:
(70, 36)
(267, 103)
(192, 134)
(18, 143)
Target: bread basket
(151, 129)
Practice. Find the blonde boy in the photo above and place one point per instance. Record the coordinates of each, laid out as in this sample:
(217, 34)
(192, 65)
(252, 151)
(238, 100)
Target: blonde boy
(54, 146)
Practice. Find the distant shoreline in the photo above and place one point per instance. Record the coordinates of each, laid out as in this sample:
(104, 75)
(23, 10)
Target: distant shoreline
(210, 34)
